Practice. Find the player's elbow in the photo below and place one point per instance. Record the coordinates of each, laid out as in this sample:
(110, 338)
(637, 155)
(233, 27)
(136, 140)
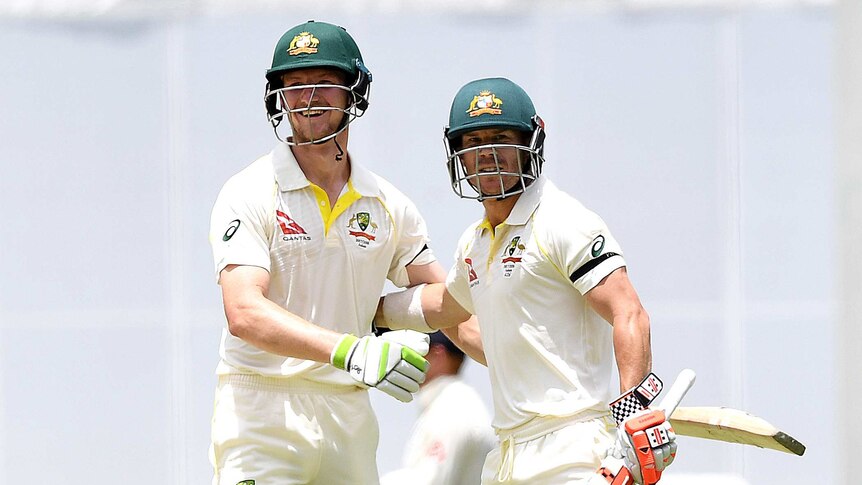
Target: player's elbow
(634, 319)
(642, 318)
(239, 318)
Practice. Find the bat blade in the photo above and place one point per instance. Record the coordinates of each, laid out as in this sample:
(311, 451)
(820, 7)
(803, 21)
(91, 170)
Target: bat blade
(732, 426)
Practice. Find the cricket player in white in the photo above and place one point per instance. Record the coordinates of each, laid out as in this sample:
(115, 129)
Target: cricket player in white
(452, 435)
(548, 283)
(304, 239)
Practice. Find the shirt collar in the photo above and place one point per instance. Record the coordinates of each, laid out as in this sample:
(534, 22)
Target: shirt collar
(289, 175)
(527, 203)
(363, 180)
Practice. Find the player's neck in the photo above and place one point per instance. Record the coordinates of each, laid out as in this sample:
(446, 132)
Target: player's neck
(321, 165)
(497, 210)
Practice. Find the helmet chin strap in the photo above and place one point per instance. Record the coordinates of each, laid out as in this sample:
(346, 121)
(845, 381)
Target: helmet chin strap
(341, 126)
(340, 154)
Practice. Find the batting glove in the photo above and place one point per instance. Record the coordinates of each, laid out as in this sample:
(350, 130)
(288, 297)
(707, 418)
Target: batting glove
(418, 341)
(378, 362)
(647, 444)
(645, 439)
(612, 471)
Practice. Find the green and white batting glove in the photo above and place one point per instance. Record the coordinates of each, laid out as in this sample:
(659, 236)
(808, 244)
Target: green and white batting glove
(374, 361)
(418, 341)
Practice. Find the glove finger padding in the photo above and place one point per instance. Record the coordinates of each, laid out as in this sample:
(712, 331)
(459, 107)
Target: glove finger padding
(412, 365)
(398, 379)
(394, 391)
(663, 456)
(377, 362)
(648, 444)
(418, 341)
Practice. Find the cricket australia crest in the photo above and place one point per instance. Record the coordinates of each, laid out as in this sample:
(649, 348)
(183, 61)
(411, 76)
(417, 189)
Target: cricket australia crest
(512, 255)
(362, 229)
(304, 43)
(485, 102)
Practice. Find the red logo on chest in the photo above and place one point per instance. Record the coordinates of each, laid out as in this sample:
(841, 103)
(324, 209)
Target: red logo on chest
(473, 275)
(288, 225)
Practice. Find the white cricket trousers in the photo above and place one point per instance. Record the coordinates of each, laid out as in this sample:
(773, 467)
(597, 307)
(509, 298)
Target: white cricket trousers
(550, 451)
(285, 431)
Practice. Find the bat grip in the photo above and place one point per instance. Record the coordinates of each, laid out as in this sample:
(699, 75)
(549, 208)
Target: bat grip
(677, 391)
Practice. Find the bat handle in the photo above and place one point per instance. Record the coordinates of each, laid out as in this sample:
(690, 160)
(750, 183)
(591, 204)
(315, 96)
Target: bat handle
(677, 391)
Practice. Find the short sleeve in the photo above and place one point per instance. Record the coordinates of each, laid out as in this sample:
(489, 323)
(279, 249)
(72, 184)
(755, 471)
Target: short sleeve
(585, 251)
(458, 282)
(239, 228)
(412, 245)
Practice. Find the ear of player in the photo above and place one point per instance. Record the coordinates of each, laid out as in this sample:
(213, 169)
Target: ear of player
(394, 364)
(646, 442)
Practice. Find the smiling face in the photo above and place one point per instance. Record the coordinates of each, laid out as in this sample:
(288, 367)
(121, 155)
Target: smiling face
(316, 100)
(492, 159)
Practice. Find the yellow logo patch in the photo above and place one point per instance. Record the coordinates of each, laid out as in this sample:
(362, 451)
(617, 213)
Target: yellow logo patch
(304, 43)
(485, 102)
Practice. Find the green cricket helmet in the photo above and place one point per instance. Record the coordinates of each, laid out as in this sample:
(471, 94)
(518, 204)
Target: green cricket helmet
(322, 45)
(493, 103)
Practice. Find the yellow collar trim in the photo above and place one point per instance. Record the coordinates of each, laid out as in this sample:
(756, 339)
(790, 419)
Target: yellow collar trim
(330, 214)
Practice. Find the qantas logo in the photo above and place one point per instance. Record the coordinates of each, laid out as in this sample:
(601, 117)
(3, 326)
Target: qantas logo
(288, 225)
(290, 230)
(474, 278)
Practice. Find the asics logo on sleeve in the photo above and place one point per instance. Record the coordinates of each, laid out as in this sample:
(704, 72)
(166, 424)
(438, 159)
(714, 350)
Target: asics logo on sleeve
(231, 230)
(598, 245)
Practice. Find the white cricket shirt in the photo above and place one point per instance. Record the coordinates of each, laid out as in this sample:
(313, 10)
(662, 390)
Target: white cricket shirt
(548, 352)
(327, 265)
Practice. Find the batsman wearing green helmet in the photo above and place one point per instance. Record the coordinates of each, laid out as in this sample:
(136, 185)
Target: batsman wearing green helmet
(548, 283)
(304, 240)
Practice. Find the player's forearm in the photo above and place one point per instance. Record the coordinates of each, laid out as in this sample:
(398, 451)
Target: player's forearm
(468, 338)
(424, 308)
(269, 327)
(440, 308)
(632, 346)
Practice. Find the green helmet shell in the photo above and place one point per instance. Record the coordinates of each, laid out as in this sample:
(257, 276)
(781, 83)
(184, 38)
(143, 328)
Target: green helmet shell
(316, 44)
(490, 103)
(495, 103)
(321, 45)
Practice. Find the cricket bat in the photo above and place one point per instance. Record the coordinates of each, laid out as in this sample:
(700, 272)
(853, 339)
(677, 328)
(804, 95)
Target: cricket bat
(732, 426)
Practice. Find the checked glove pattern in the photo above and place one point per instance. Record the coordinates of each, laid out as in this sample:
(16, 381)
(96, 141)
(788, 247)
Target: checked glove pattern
(636, 399)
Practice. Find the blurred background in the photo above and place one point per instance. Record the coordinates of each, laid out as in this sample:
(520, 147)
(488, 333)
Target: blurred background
(718, 139)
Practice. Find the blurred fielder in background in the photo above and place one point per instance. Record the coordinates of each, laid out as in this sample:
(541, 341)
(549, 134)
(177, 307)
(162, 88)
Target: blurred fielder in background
(304, 239)
(545, 277)
(453, 432)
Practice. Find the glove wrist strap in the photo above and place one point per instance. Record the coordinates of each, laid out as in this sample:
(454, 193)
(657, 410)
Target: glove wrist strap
(341, 351)
(636, 399)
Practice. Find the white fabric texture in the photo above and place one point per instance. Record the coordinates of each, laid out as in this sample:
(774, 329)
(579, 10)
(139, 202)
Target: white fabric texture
(549, 353)
(450, 439)
(269, 216)
(569, 455)
(275, 430)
